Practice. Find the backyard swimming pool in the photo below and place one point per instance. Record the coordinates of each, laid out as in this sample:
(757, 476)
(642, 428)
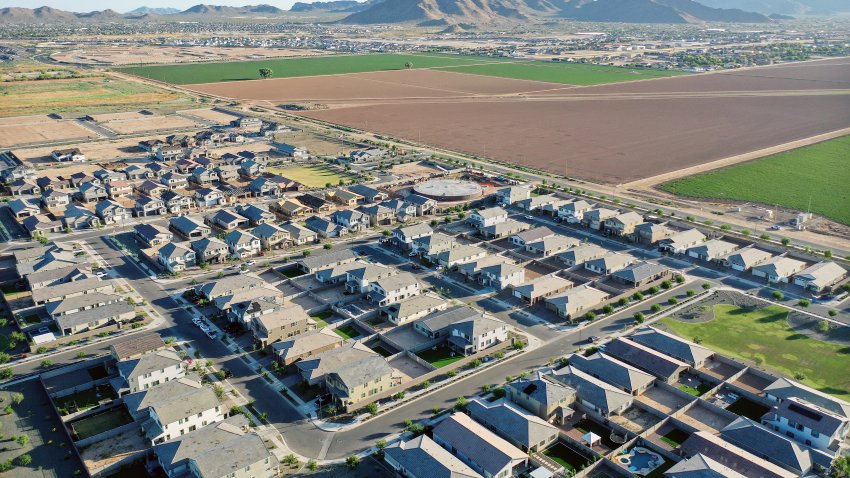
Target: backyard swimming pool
(640, 461)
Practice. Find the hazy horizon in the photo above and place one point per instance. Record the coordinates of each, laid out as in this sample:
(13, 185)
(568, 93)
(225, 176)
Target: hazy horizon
(123, 6)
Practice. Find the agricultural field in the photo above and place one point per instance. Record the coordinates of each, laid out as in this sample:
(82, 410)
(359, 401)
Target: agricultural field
(565, 73)
(763, 335)
(295, 67)
(311, 176)
(810, 178)
(82, 95)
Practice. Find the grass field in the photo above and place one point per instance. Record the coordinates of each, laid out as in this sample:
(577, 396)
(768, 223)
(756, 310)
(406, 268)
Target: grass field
(295, 67)
(566, 73)
(311, 176)
(347, 332)
(439, 358)
(764, 335)
(83, 95)
(818, 172)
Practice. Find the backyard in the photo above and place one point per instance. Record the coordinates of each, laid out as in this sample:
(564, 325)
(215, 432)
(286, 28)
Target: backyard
(439, 357)
(748, 408)
(810, 178)
(101, 422)
(674, 437)
(85, 399)
(312, 176)
(321, 318)
(764, 337)
(566, 456)
(347, 332)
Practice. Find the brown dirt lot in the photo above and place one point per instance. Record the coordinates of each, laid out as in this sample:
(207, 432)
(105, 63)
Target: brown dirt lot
(372, 87)
(210, 114)
(39, 129)
(149, 123)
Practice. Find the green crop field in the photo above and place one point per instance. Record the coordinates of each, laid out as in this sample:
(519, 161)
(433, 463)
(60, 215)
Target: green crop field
(818, 173)
(295, 67)
(764, 335)
(566, 73)
(312, 176)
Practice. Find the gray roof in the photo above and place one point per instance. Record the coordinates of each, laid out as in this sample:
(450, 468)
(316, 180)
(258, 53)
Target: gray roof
(701, 466)
(229, 285)
(577, 299)
(267, 230)
(553, 243)
(417, 229)
(644, 358)
(148, 363)
(219, 448)
(397, 281)
(254, 212)
(319, 261)
(784, 388)
(415, 304)
(202, 245)
(491, 212)
(509, 226)
(748, 257)
(334, 360)
(475, 327)
(478, 444)
(306, 342)
(592, 390)
(365, 370)
(640, 271)
(512, 423)
(173, 250)
(91, 315)
(223, 215)
(713, 248)
(543, 391)
(611, 261)
(671, 345)
(423, 458)
(822, 274)
(150, 231)
(543, 285)
(810, 416)
(370, 271)
(612, 371)
(445, 318)
(296, 231)
(50, 275)
(761, 441)
(535, 234)
(782, 266)
(320, 224)
(239, 237)
(683, 238)
(583, 253)
(185, 224)
(734, 457)
(137, 344)
(76, 302)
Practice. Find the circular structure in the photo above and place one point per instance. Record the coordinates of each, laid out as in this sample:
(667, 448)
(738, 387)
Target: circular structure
(448, 190)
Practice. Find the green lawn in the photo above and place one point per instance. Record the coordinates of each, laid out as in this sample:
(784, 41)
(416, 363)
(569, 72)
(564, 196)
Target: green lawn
(763, 335)
(347, 332)
(817, 173)
(311, 176)
(566, 456)
(296, 67)
(96, 424)
(566, 73)
(675, 437)
(85, 399)
(440, 357)
(697, 392)
(322, 318)
(292, 272)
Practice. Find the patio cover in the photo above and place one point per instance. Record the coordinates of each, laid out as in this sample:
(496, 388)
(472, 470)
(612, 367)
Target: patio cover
(591, 438)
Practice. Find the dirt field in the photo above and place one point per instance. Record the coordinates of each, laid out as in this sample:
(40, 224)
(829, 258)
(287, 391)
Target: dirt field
(94, 151)
(23, 130)
(130, 55)
(373, 87)
(210, 114)
(149, 123)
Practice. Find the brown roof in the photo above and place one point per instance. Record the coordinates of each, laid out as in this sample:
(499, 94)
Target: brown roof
(137, 345)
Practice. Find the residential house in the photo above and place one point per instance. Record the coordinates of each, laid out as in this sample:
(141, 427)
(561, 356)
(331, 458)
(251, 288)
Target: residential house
(369, 194)
(820, 277)
(487, 217)
(414, 308)
(536, 234)
(358, 279)
(457, 255)
(203, 176)
(808, 424)
(117, 312)
(350, 357)
(111, 212)
(551, 245)
(107, 175)
(91, 192)
(174, 180)
(62, 275)
(546, 399)
(641, 274)
(540, 288)
(73, 155)
(188, 228)
(393, 288)
(538, 202)
(403, 210)
(305, 345)
(778, 269)
(226, 172)
(581, 254)
(613, 372)
(511, 194)
(346, 197)
(701, 466)
(226, 220)
(317, 204)
(663, 366)
(784, 388)
(712, 250)
(119, 189)
(291, 151)
(24, 207)
(25, 187)
(739, 460)
(350, 219)
(378, 215)
(405, 235)
(176, 202)
(135, 172)
(485, 452)
(494, 271)
(573, 212)
(465, 330)
(744, 259)
(136, 346)
(264, 187)
(77, 217)
(160, 169)
(152, 188)
(365, 155)
(290, 208)
(280, 324)
(251, 169)
(423, 205)
(503, 229)
(433, 244)
(595, 218)
(148, 370)
(299, 235)
(674, 346)
(572, 303)
(41, 225)
(609, 263)
(151, 145)
(324, 227)
(651, 233)
(169, 152)
(774, 447)
(271, 236)
(256, 214)
(152, 235)
(148, 206)
(680, 242)
(622, 225)
(176, 257)
(422, 457)
(604, 399)
(521, 429)
(317, 262)
(66, 290)
(242, 244)
(208, 197)
(209, 250)
(229, 285)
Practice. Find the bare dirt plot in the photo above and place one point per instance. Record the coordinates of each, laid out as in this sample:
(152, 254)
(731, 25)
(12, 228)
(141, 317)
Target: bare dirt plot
(609, 141)
(127, 115)
(372, 87)
(95, 151)
(149, 123)
(131, 55)
(210, 114)
(25, 132)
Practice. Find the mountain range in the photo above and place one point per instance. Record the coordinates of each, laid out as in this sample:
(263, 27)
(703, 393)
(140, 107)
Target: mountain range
(463, 13)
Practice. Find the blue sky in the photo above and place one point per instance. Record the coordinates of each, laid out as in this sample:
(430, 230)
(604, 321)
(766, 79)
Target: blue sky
(126, 5)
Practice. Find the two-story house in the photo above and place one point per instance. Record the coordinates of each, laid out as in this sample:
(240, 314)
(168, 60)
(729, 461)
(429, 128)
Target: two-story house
(242, 244)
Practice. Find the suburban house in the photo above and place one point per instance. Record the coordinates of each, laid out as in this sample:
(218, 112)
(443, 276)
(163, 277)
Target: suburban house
(152, 189)
(91, 192)
(663, 366)
(298, 234)
(650, 232)
(808, 424)
(270, 236)
(422, 457)
(188, 228)
(487, 217)
(176, 202)
(24, 207)
(551, 245)
(422, 204)
(378, 215)
(149, 206)
(111, 212)
(209, 250)
(485, 452)
(40, 225)
(279, 324)
(744, 259)
(701, 466)
(208, 197)
(465, 330)
(609, 263)
(715, 448)
(680, 242)
(73, 155)
(762, 441)
(350, 219)
(176, 257)
(676, 347)
(393, 288)
(778, 269)
(712, 250)
(573, 212)
(511, 194)
(538, 202)
(547, 400)
(25, 187)
(77, 217)
(174, 180)
(148, 370)
(369, 194)
(364, 155)
(405, 235)
(242, 244)
(571, 303)
(521, 429)
(433, 244)
(318, 204)
(119, 189)
(359, 372)
(595, 218)
(458, 254)
(529, 236)
(345, 197)
(307, 344)
(251, 169)
(90, 311)
(261, 187)
(613, 372)
(414, 308)
(820, 277)
(358, 279)
(604, 399)
(290, 208)
(504, 229)
(581, 254)
(622, 224)
(291, 151)
(203, 176)
(540, 288)
(229, 285)
(226, 220)
(494, 271)
(152, 235)
(324, 227)
(136, 346)
(255, 214)
(641, 273)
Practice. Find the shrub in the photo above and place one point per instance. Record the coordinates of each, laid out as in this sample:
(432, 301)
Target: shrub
(804, 302)
(461, 403)
(327, 245)
(667, 284)
(691, 293)
(623, 301)
(499, 355)
(590, 315)
(17, 398)
(46, 363)
(680, 279)
(799, 376)
(6, 465)
(6, 373)
(312, 465)
(786, 242)
(607, 308)
(706, 285)
(23, 460)
(824, 326)
(656, 307)
(41, 350)
(398, 396)
(475, 363)
(638, 296)
(639, 317)
(451, 373)
(22, 439)
(673, 301)
(777, 295)
(372, 408)
(832, 312)
(4, 357)
(654, 289)
(352, 461)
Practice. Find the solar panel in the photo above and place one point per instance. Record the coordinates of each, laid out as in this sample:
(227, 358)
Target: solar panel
(805, 412)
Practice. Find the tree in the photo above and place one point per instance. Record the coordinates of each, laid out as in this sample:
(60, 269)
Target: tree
(46, 363)
(461, 403)
(6, 373)
(840, 467)
(777, 295)
(786, 241)
(408, 65)
(804, 302)
(639, 317)
(4, 357)
(372, 408)
(591, 316)
(353, 461)
(265, 73)
(828, 254)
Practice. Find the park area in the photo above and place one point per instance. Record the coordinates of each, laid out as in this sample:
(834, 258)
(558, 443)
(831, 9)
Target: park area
(813, 178)
(312, 176)
(763, 336)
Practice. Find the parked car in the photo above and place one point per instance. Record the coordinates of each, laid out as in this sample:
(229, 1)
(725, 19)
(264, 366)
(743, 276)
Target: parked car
(101, 274)
(211, 334)
(593, 339)
(251, 262)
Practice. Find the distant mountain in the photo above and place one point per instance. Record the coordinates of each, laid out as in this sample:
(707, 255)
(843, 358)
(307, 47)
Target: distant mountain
(40, 14)
(221, 10)
(785, 7)
(453, 12)
(153, 10)
(332, 6)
